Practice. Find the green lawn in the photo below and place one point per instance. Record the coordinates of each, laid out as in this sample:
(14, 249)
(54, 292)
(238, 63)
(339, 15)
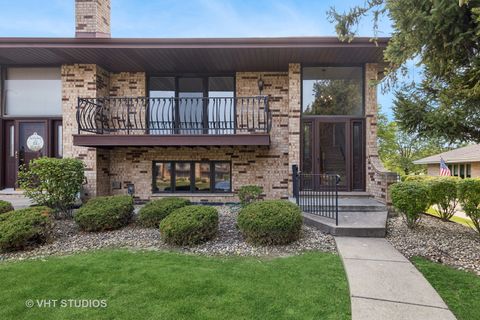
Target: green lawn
(459, 289)
(162, 285)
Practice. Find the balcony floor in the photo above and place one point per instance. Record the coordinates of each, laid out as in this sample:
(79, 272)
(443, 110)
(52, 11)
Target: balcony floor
(145, 140)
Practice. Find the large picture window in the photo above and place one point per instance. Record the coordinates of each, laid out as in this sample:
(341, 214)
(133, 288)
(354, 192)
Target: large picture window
(332, 91)
(192, 176)
(462, 170)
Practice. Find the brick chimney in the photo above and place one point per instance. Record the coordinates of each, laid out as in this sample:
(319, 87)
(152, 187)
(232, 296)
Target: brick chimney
(92, 18)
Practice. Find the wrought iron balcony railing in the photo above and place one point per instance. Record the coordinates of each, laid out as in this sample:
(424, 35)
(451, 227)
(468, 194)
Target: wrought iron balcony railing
(169, 116)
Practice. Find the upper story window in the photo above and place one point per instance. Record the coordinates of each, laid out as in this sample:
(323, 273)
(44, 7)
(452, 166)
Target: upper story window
(33, 92)
(332, 91)
(203, 105)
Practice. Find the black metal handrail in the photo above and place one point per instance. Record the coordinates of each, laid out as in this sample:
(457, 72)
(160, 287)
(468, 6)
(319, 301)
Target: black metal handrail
(160, 116)
(316, 193)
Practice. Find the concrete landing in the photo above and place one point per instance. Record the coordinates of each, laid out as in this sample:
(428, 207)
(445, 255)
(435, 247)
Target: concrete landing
(358, 216)
(353, 224)
(385, 285)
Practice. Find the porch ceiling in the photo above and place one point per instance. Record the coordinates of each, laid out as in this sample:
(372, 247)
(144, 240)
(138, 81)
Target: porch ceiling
(202, 55)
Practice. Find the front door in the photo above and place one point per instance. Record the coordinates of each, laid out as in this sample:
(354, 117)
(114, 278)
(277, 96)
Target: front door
(335, 145)
(18, 153)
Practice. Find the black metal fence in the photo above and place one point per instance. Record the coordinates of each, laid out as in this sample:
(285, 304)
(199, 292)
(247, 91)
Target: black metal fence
(165, 116)
(316, 193)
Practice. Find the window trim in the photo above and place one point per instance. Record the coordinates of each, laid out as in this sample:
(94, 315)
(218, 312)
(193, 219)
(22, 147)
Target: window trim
(192, 177)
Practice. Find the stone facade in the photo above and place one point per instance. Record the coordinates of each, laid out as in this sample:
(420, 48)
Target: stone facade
(378, 179)
(92, 18)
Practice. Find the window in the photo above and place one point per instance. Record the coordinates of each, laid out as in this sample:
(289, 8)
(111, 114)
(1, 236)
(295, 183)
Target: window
(332, 91)
(33, 92)
(462, 170)
(192, 176)
(192, 114)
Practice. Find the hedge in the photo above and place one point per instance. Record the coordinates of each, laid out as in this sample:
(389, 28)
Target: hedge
(190, 225)
(270, 222)
(5, 206)
(443, 196)
(411, 198)
(155, 211)
(469, 196)
(105, 213)
(25, 227)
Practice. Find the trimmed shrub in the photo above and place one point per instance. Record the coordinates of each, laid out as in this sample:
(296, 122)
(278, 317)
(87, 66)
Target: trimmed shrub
(105, 213)
(418, 178)
(469, 196)
(155, 211)
(190, 225)
(25, 227)
(443, 195)
(270, 222)
(5, 206)
(53, 182)
(248, 194)
(411, 198)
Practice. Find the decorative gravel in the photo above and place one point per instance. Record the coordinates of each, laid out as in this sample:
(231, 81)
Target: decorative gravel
(445, 242)
(68, 239)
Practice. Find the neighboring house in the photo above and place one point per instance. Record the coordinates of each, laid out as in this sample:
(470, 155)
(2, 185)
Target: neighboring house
(197, 117)
(462, 162)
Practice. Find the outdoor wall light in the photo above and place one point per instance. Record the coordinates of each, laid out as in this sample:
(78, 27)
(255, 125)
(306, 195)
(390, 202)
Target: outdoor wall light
(131, 189)
(260, 85)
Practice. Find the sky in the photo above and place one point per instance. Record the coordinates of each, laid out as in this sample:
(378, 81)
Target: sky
(188, 18)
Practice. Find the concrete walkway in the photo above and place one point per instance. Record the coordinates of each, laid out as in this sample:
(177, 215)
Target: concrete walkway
(385, 285)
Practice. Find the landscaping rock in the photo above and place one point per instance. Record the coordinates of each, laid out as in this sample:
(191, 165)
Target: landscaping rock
(445, 242)
(69, 239)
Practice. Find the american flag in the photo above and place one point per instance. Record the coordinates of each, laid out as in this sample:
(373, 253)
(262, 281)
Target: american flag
(444, 171)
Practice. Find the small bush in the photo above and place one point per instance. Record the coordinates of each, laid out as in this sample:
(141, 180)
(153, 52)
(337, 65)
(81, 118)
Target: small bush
(25, 227)
(155, 211)
(249, 194)
(105, 213)
(411, 198)
(443, 195)
(5, 206)
(469, 196)
(190, 225)
(53, 182)
(270, 222)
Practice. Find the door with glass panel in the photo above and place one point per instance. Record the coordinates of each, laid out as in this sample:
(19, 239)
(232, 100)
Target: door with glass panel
(333, 132)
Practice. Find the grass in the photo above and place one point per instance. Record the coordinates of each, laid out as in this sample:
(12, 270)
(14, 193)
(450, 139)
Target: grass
(459, 289)
(460, 220)
(163, 285)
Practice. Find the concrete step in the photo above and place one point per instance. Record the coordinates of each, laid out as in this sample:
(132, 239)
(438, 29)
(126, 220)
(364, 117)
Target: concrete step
(352, 224)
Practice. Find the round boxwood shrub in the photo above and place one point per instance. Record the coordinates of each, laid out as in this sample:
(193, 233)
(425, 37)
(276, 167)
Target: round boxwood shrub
(105, 213)
(155, 211)
(25, 227)
(5, 206)
(190, 225)
(411, 198)
(270, 222)
(469, 195)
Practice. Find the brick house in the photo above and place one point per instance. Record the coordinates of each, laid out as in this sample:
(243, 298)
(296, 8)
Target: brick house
(200, 117)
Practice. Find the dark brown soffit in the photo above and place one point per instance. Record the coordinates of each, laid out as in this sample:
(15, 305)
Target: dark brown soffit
(196, 55)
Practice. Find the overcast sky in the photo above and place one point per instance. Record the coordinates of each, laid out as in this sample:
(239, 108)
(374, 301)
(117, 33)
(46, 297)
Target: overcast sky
(186, 18)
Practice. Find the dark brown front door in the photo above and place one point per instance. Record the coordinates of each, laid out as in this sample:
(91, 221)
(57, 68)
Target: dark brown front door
(17, 152)
(335, 145)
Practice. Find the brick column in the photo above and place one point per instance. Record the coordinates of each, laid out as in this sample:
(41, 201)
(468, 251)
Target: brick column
(294, 114)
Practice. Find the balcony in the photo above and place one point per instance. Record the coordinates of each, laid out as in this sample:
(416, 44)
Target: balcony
(186, 121)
